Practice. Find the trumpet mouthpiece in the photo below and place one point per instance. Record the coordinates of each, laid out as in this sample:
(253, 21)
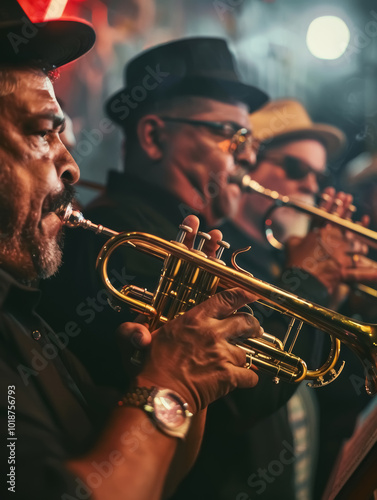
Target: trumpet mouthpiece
(70, 217)
(74, 218)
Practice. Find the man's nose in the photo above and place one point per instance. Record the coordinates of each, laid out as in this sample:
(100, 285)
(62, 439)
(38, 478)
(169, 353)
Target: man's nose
(246, 156)
(66, 167)
(310, 183)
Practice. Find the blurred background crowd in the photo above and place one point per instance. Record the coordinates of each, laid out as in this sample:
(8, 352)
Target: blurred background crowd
(322, 53)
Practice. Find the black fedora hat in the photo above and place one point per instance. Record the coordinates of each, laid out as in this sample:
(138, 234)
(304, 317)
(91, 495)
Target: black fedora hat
(191, 66)
(55, 42)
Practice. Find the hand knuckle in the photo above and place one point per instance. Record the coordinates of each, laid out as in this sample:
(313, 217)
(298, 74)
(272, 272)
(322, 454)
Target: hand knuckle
(189, 319)
(226, 297)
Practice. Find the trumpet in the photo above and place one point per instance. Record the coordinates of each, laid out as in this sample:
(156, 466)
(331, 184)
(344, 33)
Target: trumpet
(249, 185)
(189, 277)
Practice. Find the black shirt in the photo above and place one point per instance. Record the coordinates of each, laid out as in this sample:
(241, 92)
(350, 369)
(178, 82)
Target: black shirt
(46, 414)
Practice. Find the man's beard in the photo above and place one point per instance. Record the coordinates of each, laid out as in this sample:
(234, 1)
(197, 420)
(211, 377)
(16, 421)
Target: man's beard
(42, 253)
(44, 256)
(47, 256)
(289, 222)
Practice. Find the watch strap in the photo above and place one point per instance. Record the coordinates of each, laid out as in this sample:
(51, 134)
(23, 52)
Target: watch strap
(138, 397)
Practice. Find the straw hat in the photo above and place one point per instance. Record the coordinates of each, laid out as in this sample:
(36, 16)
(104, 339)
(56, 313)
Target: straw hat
(287, 119)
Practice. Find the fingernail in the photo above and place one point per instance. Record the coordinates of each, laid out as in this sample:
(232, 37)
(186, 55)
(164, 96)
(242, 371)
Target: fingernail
(257, 333)
(137, 339)
(250, 318)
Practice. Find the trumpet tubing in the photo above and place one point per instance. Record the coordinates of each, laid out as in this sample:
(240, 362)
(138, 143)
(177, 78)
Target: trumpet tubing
(248, 185)
(189, 277)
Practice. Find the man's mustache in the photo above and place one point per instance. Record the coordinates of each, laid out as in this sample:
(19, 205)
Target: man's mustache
(59, 201)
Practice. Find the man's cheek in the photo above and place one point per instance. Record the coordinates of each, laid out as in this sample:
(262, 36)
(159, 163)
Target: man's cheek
(11, 201)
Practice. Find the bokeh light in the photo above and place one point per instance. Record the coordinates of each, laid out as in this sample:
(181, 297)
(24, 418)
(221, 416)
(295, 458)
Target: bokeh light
(328, 37)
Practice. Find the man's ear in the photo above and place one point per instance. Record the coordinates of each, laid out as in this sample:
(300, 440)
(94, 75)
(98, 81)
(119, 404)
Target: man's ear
(150, 131)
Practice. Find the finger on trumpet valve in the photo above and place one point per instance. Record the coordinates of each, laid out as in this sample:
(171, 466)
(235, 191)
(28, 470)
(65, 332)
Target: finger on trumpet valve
(203, 237)
(355, 259)
(325, 197)
(249, 361)
(183, 230)
(351, 210)
(222, 246)
(337, 206)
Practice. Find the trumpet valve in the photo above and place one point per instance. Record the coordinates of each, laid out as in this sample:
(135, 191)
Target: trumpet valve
(183, 230)
(222, 246)
(203, 237)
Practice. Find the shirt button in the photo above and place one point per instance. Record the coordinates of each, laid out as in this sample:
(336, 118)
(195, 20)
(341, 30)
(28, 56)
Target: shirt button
(36, 334)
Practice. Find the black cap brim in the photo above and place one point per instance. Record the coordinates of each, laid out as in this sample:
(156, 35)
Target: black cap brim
(214, 88)
(56, 42)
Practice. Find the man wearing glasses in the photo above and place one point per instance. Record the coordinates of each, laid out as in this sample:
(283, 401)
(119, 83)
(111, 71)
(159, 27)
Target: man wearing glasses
(185, 116)
(292, 161)
(260, 444)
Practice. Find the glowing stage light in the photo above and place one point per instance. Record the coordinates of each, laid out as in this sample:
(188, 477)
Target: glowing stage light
(327, 37)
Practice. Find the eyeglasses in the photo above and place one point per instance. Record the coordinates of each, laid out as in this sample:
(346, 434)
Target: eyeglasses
(239, 136)
(295, 168)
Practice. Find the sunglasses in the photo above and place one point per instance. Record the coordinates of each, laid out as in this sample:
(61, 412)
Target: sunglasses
(239, 136)
(295, 168)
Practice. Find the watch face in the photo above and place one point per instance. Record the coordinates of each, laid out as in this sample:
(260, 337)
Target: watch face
(169, 410)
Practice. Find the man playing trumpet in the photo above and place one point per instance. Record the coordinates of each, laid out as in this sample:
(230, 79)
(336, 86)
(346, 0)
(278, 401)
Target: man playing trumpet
(292, 160)
(61, 436)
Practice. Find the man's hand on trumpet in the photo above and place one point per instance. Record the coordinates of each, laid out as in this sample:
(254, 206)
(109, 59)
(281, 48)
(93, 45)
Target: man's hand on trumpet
(362, 270)
(191, 354)
(355, 266)
(327, 251)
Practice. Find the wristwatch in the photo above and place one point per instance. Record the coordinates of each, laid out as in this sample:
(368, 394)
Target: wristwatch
(165, 407)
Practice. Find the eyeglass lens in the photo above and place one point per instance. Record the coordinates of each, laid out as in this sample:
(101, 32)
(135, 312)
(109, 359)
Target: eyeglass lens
(241, 139)
(297, 169)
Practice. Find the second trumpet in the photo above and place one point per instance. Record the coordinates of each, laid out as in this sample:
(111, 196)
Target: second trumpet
(249, 185)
